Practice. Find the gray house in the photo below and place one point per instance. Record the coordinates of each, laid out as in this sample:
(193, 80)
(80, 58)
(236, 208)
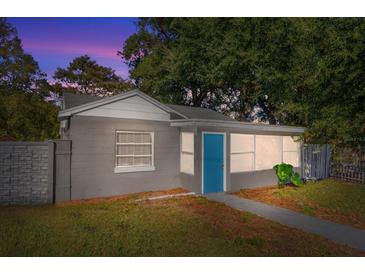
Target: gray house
(132, 143)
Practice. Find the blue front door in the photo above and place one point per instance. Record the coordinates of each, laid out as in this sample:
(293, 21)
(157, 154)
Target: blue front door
(213, 163)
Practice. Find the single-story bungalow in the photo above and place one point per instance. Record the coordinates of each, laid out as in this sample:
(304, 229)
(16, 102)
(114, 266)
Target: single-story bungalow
(132, 143)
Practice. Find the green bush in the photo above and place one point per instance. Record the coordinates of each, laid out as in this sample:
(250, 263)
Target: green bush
(296, 180)
(286, 175)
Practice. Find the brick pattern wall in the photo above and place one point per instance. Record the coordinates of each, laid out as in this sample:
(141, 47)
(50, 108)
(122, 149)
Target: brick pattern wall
(24, 173)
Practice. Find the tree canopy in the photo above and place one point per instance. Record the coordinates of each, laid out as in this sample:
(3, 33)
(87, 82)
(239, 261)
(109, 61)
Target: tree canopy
(26, 108)
(84, 76)
(27, 117)
(294, 71)
(18, 70)
(24, 113)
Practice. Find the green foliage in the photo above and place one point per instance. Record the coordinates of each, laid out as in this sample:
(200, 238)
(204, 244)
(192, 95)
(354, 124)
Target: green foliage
(283, 171)
(286, 174)
(27, 117)
(296, 180)
(24, 112)
(334, 80)
(19, 72)
(228, 64)
(83, 75)
(293, 71)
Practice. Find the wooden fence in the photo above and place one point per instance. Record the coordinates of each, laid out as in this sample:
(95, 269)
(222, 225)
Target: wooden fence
(315, 161)
(320, 161)
(348, 165)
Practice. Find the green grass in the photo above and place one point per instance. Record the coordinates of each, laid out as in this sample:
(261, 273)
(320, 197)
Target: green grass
(331, 194)
(175, 227)
(332, 199)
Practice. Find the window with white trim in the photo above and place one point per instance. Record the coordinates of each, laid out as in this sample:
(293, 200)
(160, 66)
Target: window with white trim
(242, 152)
(187, 153)
(262, 152)
(134, 151)
(291, 151)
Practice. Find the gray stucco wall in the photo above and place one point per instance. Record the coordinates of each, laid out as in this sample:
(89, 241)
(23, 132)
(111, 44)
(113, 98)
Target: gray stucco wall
(93, 157)
(25, 176)
(28, 170)
(236, 181)
(254, 179)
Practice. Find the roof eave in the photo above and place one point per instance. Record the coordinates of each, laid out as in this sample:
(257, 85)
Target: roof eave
(236, 125)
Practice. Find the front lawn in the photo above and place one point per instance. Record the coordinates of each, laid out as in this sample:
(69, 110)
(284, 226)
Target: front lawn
(186, 226)
(329, 199)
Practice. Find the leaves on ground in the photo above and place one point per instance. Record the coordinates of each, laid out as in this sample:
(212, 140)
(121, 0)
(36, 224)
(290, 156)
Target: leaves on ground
(185, 226)
(330, 199)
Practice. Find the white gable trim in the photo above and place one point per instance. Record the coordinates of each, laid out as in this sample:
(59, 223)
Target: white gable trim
(75, 110)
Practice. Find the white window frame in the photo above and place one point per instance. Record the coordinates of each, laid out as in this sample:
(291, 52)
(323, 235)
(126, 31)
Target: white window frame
(253, 152)
(139, 168)
(187, 152)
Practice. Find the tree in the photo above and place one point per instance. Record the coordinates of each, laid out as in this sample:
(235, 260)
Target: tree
(220, 63)
(25, 116)
(85, 76)
(307, 72)
(170, 59)
(329, 94)
(18, 70)
(24, 113)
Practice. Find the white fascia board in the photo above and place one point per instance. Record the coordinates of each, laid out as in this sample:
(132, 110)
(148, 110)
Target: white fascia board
(237, 125)
(74, 110)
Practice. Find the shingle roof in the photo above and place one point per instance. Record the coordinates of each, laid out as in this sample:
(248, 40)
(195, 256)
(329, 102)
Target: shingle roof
(73, 100)
(192, 116)
(199, 113)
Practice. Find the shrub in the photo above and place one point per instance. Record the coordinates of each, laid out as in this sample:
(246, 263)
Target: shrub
(286, 175)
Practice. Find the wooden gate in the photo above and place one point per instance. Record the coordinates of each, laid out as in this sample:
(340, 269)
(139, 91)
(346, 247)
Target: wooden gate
(315, 161)
(62, 170)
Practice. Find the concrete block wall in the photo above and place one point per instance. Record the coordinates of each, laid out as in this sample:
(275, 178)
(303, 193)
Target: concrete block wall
(24, 173)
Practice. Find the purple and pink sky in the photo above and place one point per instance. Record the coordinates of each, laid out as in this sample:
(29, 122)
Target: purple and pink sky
(55, 42)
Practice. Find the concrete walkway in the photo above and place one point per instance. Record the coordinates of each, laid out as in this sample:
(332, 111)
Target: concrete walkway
(343, 234)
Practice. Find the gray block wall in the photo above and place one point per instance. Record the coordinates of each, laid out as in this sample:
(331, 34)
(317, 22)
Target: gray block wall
(24, 173)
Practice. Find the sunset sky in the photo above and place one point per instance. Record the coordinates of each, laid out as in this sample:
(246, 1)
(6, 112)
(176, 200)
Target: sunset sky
(54, 42)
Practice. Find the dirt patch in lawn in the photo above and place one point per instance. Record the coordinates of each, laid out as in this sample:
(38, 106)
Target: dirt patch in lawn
(270, 195)
(308, 200)
(183, 226)
(256, 235)
(132, 196)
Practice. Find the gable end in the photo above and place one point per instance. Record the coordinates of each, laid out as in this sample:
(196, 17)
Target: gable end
(133, 105)
(131, 108)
